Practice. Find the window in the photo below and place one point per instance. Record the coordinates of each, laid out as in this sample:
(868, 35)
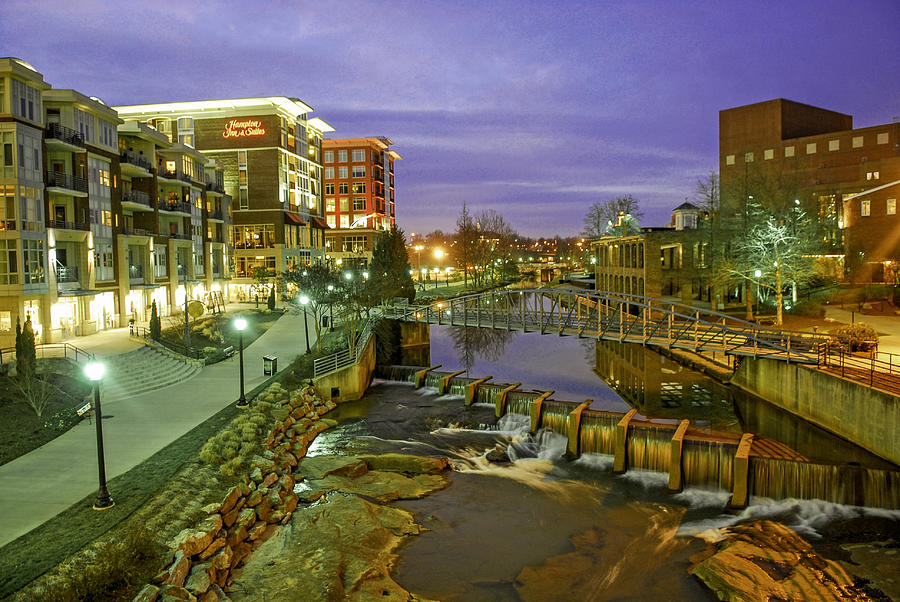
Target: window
(8, 265)
(857, 141)
(185, 123)
(834, 145)
(345, 204)
(342, 156)
(242, 158)
(769, 154)
(748, 157)
(84, 123)
(245, 204)
(345, 221)
(359, 203)
(788, 151)
(33, 261)
(882, 138)
(892, 207)
(359, 155)
(729, 160)
(811, 148)
(261, 236)
(353, 244)
(329, 204)
(5, 321)
(332, 223)
(873, 175)
(865, 207)
(7, 207)
(359, 171)
(7, 155)
(344, 188)
(329, 173)
(359, 187)
(329, 156)
(342, 172)
(329, 188)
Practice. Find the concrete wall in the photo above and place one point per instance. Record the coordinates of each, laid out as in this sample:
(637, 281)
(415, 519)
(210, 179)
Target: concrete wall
(351, 381)
(865, 416)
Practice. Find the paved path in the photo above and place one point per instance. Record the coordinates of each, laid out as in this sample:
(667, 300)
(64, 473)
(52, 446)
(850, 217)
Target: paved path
(37, 486)
(888, 326)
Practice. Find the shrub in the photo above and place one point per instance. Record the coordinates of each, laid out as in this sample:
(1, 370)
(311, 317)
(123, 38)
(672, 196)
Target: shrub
(859, 336)
(811, 309)
(155, 324)
(62, 420)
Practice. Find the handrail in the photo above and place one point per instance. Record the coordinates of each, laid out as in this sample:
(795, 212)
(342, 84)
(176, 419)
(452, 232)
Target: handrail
(46, 350)
(144, 333)
(341, 359)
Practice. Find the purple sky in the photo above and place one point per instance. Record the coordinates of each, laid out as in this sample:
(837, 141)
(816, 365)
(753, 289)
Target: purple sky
(534, 109)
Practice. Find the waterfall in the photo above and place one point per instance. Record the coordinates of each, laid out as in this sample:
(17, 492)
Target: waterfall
(403, 374)
(519, 403)
(433, 380)
(708, 464)
(555, 415)
(648, 447)
(486, 393)
(598, 432)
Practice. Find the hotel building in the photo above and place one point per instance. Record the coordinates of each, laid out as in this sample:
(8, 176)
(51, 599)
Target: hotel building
(359, 196)
(849, 178)
(91, 231)
(271, 153)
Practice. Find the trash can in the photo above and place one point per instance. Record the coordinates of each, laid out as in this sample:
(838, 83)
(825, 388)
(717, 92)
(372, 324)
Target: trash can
(270, 364)
(324, 321)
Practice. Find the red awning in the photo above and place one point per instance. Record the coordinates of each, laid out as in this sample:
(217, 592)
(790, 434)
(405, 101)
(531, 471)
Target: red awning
(318, 222)
(293, 218)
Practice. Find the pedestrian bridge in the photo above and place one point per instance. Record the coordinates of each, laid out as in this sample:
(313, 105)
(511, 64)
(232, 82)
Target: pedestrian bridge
(618, 317)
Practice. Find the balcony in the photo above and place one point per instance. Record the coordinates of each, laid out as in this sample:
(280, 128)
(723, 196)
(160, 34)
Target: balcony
(215, 215)
(179, 235)
(215, 188)
(135, 231)
(61, 225)
(184, 177)
(136, 199)
(175, 207)
(133, 164)
(66, 274)
(164, 174)
(59, 137)
(136, 274)
(66, 184)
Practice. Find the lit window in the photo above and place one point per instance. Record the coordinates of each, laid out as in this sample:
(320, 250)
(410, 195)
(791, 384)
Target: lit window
(342, 171)
(359, 187)
(332, 223)
(811, 148)
(892, 206)
(345, 221)
(329, 204)
(882, 138)
(769, 154)
(748, 157)
(359, 155)
(834, 145)
(865, 208)
(857, 141)
(329, 156)
(345, 204)
(729, 160)
(329, 173)
(359, 171)
(342, 156)
(788, 151)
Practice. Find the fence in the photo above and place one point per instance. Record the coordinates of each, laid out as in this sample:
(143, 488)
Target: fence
(144, 333)
(345, 357)
(48, 350)
(880, 370)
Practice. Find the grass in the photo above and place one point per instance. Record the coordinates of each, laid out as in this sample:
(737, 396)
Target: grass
(21, 430)
(212, 334)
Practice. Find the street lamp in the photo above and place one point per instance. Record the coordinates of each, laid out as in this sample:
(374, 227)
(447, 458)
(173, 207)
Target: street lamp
(418, 249)
(330, 306)
(303, 301)
(439, 255)
(94, 371)
(240, 324)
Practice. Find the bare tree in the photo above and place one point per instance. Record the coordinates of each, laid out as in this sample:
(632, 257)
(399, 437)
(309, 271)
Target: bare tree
(34, 391)
(602, 216)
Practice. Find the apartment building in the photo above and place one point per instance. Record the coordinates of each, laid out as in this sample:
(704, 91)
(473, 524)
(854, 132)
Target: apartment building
(359, 196)
(83, 214)
(849, 178)
(271, 153)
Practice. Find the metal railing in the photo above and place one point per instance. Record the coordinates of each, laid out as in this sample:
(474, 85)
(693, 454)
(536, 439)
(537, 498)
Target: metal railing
(215, 214)
(84, 226)
(67, 181)
(881, 370)
(345, 357)
(64, 134)
(170, 344)
(66, 273)
(135, 159)
(215, 187)
(136, 196)
(47, 350)
(176, 207)
(135, 272)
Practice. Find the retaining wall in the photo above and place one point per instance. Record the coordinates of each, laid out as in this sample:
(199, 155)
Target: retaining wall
(350, 383)
(868, 417)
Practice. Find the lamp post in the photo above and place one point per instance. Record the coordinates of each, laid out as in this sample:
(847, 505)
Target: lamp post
(439, 255)
(418, 249)
(94, 371)
(758, 274)
(330, 307)
(240, 324)
(303, 301)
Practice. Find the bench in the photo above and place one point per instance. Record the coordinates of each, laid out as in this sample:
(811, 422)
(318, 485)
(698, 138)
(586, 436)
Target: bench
(228, 351)
(766, 320)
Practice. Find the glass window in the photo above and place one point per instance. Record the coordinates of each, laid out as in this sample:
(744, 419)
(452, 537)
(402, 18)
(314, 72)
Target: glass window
(359, 187)
(8, 264)
(811, 148)
(857, 141)
(865, 207)
(329, 188)
(344, 188)
(329, 156)
(342, 156)
(834, 145)
(329, 204)
(789, 151)
(33, 261)
(882, 138)
(359, 171)
(892, 206)
(342, 172)
(359, 155)
(345, 204)
(359, 203)
(729, 160)
(329, 173)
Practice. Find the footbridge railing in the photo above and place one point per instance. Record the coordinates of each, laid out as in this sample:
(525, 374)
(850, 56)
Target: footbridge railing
(619, 317)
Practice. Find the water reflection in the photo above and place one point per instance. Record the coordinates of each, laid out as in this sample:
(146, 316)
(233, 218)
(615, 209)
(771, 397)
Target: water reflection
(472, 343)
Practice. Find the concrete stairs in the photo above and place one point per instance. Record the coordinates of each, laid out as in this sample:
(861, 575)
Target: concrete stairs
(142, 370)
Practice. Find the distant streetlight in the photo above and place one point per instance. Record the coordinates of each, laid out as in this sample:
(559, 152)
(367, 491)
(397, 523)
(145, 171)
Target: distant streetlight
(418, 249)
(303, 301)
(94, 371)
(330, 306)
(240, 324)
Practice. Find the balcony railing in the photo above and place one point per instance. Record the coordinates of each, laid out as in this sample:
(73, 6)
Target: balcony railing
(136, 196)
(62, 225)
(136, 231)
(59, 132)
(136, 272)
(184, 177)
(66, 274)
(165, 173)
(67, 181)
(178, 207)
(215, 187)
(179, 235)
(215, 214)
(134, 159)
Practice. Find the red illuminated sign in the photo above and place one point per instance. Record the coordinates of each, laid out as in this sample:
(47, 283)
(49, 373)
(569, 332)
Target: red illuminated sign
(237, 128)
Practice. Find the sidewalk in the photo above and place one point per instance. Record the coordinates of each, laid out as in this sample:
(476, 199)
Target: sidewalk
(887, 326)
(46, 481)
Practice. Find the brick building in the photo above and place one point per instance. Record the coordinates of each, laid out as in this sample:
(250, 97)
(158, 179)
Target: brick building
(359, 196)
(271, 151)
(782, 151)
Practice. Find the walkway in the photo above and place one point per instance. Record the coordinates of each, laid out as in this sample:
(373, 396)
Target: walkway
(39, 485)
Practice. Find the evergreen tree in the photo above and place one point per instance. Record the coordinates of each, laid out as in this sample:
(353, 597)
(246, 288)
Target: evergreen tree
(155, 325)
(18, 340)
(26, 357)
(389, 275)
(271, 300)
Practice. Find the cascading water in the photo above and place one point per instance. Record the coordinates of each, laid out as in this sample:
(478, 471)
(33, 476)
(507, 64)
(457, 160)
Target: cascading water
(708, 464)
(486, 393)
(598, 432)
(648, 447)
(554, 415)
(519, 403)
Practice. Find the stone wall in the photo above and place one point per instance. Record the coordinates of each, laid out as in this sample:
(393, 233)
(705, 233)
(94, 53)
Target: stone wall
(868, 417)
(204, 557)
(350, 383)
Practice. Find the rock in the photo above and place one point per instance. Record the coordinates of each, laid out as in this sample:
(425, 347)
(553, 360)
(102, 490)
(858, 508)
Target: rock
(222, 560)
(199, 579)
(177, 572)
(171, 593)
(255, 498)
(320, 467)
(246, 518)
(240, 552)
(231, 499)
(290, 502)
(212, 508)
(406, 464)
(764, 560)
(214, 547)
(237, 534)
(270, 479)
(148, 593)
(256, 475)
(220, 595)
(497, 455)
(228, 519)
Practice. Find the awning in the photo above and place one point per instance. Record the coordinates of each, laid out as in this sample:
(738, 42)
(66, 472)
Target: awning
(293, 218)
(318, 222)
